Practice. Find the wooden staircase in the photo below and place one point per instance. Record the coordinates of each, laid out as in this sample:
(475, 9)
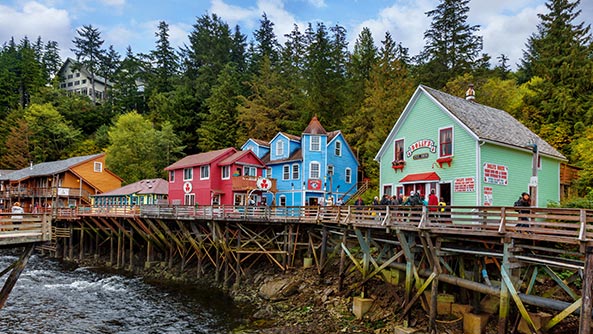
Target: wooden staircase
(361, 188)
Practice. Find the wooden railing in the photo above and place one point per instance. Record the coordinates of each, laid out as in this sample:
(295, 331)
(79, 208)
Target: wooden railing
(551, 224)
(24, 228)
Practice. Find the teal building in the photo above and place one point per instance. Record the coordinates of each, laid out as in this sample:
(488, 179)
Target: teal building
(468, 153)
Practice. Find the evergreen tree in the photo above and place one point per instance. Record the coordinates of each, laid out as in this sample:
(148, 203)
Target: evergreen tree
(127, 94)
(109, 64)
(165, 62)
(17, 154)
(266, 44)
(362, 60)
(219, 129)
(87, 48)
(28, 72)
(51, 61)
(451, 48)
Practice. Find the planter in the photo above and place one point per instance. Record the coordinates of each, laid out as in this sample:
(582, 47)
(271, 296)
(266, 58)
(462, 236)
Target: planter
(444, 160)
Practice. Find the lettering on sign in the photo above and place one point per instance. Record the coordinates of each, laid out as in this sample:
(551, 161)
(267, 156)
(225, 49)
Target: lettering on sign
(422, 143)
(420, 156)
(487, 196)
(496, 174)
(464, 185)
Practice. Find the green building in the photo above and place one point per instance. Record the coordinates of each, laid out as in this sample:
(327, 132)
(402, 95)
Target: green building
(468, 153)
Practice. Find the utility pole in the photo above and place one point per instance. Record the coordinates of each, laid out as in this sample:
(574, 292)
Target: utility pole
(533, 181)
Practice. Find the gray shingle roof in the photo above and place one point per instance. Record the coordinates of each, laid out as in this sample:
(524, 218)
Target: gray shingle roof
(491, 124)
(47, 168)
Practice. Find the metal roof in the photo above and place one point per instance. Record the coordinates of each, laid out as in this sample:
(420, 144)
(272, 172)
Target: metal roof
(47, 168)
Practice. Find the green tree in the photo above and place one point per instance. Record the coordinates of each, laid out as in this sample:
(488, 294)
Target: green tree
(452, 48)
(109, 64)
(127, 95)
(219, 129)
(133, 150)
(51, 60)
(362, 60)
(266, 45)
(170, 148)
(87, 48)
(165, 62)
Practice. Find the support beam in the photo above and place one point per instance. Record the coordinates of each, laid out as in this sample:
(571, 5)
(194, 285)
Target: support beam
(15, 274)
(587, 293)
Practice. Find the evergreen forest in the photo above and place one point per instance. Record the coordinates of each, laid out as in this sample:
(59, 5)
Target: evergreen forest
(224, 87)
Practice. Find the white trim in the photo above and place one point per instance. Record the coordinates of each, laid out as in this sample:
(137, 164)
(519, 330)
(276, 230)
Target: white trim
(452, 140)
(228, 168)
(208, 168)
(192, 174)
(479, 171)
(311, 170)
(311, 143)
(346, 173)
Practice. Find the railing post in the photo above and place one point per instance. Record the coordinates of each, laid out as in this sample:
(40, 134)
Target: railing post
(583, 227)
(424, 217)
(502, 228)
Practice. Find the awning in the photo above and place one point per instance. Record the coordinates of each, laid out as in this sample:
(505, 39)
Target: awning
(420, 177)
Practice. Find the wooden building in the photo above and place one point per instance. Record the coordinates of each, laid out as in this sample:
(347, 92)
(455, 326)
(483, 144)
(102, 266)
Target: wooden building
(143, 192)
(63, 183)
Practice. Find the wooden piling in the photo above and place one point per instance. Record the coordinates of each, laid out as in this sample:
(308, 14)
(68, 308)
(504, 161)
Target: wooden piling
(587, 293)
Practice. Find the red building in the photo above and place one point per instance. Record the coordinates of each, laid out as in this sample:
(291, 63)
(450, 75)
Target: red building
(222, 177)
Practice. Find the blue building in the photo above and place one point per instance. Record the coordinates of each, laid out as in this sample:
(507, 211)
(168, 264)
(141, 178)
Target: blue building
(316, 168)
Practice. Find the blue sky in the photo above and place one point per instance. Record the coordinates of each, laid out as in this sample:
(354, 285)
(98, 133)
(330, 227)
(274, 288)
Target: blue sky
(504, 24)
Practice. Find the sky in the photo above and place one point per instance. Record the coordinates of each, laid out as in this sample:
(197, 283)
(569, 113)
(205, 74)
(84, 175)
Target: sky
(504, 24)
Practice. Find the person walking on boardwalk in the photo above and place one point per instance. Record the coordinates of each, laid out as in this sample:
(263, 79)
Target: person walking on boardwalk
(523, 201)
(17, 209)
(433, 201)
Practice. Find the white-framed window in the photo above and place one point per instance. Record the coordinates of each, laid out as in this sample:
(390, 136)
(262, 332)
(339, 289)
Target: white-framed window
(249, 171)
(282, 200)
(204, 172)
(348, 175)
(338, 148)
(171, 176)
(226, 172)
(398, 147)
(269, 172)
(188, 174)
(295, 172)
(446, 142)
(314, 168)
(98, 167)
(315, 143)
(189, 199)
(280, 148)
(330, 170)
(285, 172)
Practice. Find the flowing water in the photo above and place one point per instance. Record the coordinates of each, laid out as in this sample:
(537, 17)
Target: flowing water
(51, 298)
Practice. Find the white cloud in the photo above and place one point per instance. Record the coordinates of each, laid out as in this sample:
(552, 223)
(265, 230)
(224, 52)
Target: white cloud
(317, 3)
(115, 3)
(34, 19)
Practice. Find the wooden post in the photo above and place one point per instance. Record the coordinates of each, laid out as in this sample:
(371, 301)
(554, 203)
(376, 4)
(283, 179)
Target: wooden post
(111, 247)
(323, 255)
(81, 243)
(434, 293)
(238, 264)
(117, 265)
(71, 244)
(15, 274)
(131, 250)
(342, 260)
(585, 320)
(504, 308)
(149, 254)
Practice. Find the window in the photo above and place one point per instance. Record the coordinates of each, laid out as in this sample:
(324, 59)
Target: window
(83, 81)
(98, 167)
(330, 170)
(269, 172)
(70, 76)
(69, 84)
(348, 175)
(280, 148)
(338, 148)
(63, 85)
(295, 172)
(188, 174)
(285, 172)
(77, 82)
(249, 171)
(446, 142)
(189, 199)
(77, 74)
(226, 172)
(171, 176)
(315, 143)
(204, 172)
(387, 190)
(314, 170)
(399, 150)
(282, 200)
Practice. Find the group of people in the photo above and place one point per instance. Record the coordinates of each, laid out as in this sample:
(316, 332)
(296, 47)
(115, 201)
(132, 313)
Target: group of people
(415, 198)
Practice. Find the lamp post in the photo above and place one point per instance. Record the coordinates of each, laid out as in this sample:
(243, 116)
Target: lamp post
(533, 181)
(292, 191)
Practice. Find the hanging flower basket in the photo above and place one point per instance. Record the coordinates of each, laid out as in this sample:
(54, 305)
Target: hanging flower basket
(398, 165)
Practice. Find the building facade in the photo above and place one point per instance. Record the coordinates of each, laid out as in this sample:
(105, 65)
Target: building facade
(143, 192)
(77, 79)
(58, 184)
(222, 177)
(468, 153)
(317, 167)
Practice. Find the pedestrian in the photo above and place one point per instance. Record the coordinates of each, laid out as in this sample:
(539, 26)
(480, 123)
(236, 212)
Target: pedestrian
(16, 208)
(523, 201)
(376, 200)
(433, 201)
(359, 202)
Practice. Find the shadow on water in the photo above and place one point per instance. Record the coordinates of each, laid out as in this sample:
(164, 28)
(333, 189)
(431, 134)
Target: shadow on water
(51, 297)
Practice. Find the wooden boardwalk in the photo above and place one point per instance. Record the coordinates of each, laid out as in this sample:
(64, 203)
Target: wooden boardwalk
(494, 253)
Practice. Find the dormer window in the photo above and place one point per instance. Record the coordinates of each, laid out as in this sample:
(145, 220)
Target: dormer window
(280, 148)
(315, 143)
(338, 148)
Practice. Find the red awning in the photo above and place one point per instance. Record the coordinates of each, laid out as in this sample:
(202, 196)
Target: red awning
(421, 177)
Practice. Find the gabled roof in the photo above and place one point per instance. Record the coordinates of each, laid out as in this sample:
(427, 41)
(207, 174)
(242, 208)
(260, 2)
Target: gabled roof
(297, 155)
(48, 168)
(483, 122)
(142, 187)
(200, 159)
(84, 70)
(315, 127)
(260, 142)
(238, 155)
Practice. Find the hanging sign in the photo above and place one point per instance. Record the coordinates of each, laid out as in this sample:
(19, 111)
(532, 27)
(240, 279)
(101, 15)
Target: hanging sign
(187, 187)
(263, 184)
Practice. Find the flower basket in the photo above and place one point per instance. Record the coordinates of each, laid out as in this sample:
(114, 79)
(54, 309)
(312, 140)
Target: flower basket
(398, 165)
(444, 160)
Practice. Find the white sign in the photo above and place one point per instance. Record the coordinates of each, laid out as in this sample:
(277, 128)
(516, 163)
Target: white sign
(187, 187)
(63, 191)
(263, 184)
(533, 181)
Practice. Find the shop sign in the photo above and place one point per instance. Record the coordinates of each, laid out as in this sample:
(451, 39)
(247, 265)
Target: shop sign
(496, 174)
(422, 143)
(488, 196)
(464, 185)
(420, 156)
(314, 184)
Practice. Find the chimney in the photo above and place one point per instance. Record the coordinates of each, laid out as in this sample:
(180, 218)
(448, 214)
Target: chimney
(470, 94)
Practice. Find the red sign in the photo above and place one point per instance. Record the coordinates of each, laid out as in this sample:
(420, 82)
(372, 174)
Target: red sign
(314, 184)
(422, 143)
(496, 174)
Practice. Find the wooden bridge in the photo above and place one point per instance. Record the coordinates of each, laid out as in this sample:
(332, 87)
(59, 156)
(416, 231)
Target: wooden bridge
(22, 230)
(493, 257)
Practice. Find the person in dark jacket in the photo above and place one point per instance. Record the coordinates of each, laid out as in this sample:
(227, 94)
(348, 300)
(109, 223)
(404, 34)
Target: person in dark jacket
(523, 201)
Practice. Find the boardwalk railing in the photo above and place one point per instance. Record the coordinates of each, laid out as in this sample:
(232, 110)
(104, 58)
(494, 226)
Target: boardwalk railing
(24, 228)
(553, 224)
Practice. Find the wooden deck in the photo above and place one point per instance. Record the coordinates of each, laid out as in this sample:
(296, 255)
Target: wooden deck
(24, 229)
(572, 226)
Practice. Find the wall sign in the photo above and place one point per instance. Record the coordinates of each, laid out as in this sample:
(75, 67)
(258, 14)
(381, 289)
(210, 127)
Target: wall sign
(464, 185)
(496, 174)
(314, 184)
(420, 156)
(187, 187)
(422, 143)
(488, 196)
(263, 184)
